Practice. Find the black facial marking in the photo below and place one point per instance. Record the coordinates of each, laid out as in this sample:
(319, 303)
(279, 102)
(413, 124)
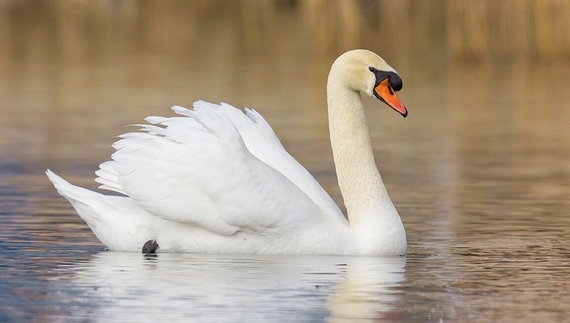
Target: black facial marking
(150, 247)
(393, 79)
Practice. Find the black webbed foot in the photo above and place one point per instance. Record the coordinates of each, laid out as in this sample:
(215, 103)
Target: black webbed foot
(150, 247)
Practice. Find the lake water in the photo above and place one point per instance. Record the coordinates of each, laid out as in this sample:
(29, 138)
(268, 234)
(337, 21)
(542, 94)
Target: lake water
(479, 172)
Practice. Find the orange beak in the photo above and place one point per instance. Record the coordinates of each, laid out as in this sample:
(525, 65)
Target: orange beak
(384, 92)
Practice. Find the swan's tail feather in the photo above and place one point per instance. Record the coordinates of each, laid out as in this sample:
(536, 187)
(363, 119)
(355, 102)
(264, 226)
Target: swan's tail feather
(74, 194)
(116, 221)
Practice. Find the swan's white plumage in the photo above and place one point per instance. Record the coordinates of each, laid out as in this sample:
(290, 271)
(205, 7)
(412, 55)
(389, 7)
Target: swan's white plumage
(217, 179)
(202, 172)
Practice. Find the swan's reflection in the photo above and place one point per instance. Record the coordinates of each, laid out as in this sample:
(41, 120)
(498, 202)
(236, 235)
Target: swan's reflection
(230, 288)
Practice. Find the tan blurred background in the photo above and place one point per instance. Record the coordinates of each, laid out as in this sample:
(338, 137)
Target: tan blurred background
(484, 31)
(481, 77)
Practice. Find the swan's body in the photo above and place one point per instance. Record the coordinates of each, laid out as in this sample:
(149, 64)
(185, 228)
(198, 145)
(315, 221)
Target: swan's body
(216, 180)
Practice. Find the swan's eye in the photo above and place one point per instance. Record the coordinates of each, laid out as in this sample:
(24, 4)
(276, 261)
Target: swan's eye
(372, 69)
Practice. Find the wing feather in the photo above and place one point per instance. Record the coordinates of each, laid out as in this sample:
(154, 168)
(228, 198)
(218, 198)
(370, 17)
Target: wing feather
(217, 167)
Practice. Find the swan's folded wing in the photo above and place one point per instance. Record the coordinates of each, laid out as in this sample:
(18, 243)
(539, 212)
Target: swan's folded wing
(198, 170)
(262, 142)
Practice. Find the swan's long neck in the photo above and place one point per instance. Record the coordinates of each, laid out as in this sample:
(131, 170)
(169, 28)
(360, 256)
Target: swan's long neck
(364, 193)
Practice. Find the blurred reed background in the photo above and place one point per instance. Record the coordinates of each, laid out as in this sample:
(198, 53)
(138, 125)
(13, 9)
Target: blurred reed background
(464, 30)
(73, 72)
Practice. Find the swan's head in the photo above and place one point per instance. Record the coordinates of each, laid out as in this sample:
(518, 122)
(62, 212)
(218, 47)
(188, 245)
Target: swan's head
(364, 71)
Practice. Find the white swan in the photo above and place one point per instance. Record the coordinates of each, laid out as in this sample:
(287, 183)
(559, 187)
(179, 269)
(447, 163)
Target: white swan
(217, 180)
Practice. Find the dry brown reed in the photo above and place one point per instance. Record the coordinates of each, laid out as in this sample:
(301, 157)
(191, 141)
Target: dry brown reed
(503, 30)
(466, 30)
